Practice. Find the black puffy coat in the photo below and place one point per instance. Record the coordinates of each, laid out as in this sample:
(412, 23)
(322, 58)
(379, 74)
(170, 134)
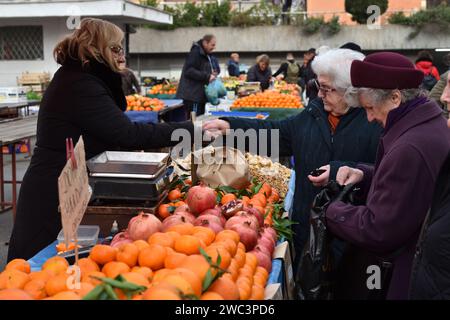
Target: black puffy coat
(77, 102)
(195, 75)
(430, 277)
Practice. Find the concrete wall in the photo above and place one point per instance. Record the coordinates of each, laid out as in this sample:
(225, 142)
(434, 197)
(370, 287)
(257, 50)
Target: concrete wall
(283, 38)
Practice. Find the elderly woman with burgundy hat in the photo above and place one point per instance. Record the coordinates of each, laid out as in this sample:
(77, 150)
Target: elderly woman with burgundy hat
(398, 190)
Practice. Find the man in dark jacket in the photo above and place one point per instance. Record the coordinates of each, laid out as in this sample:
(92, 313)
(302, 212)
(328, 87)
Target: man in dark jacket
(307, 75)
(430, 278)
(197, 73)
(327, 131)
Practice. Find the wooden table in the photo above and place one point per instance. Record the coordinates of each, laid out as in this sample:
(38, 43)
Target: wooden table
(11, 133)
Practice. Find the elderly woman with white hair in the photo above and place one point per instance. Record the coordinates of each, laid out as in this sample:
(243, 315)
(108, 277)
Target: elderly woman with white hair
(397, 191)
(328, 131)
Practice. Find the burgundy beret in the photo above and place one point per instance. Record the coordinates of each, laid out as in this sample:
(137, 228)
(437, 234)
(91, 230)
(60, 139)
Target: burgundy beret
(385, 70)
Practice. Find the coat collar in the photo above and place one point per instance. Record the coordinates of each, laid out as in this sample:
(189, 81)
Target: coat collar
(419, 115)
(317, 111)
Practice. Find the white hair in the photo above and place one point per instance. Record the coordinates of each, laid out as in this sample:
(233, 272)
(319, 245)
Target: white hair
(336, 63)
(322, 50)
(378, 96)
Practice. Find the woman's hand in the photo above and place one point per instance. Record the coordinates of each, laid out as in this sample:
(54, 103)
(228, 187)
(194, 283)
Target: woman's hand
(347, 175)
(214, 128)
(212, 77)
(321, 180)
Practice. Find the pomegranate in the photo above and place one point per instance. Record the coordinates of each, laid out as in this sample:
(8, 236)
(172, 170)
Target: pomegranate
(172, 221)
(187, 215)
(216, 227)
(201, 198)
(247, 235)
(231, 208)
(216, 212)
(256, 213)
(264, 260)
(270, 232)
(143, 226)
(242, 217)
(207, 217)
(183, 208)
(120, 239)
(266, 243)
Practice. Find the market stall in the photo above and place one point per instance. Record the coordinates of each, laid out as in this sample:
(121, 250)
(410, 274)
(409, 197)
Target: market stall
(197, 242)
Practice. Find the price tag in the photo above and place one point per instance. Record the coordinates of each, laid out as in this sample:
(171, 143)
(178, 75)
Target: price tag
(74, 193)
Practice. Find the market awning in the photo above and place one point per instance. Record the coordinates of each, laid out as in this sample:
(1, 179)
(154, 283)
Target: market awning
(118, 10)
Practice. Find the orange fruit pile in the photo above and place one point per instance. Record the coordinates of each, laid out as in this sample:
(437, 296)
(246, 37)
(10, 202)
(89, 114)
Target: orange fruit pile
(269, 99)
(136, 102)
(163, 89)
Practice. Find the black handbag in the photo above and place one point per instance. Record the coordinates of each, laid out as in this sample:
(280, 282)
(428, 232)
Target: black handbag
(316, 272)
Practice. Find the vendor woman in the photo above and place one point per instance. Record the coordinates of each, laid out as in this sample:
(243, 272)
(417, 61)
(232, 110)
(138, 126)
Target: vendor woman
(85, 98)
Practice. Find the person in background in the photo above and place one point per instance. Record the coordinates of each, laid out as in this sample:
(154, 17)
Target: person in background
(424, 63)
(430, 276)
(307, 75)
(233, 65)
(84, 98)
(351, 46)
(328, 129)
(289, 71)
(261, 72)
(197, 72)
(130, 84)
(215, 65)
(438, 89)
(397, 192)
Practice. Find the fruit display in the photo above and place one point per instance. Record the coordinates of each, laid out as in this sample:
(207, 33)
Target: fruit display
(169, 89)
(231, 83)
(286, 88)
(137, 102)
(262, 169)
(269, 99)
(207, 244)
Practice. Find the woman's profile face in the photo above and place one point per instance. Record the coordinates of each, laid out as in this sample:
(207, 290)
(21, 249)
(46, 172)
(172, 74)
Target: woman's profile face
(118, 54)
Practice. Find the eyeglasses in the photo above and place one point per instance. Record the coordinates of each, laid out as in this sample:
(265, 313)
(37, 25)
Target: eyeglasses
(117, 50)
(323, 89)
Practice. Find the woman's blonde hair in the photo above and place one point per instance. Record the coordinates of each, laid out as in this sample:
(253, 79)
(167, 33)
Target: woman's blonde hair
(93, 40)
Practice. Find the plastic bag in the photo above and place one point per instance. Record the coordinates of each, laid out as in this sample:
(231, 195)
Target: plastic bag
(314, 277)
(215, 90)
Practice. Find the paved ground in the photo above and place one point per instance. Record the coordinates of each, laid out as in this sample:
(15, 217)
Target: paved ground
(6, 218)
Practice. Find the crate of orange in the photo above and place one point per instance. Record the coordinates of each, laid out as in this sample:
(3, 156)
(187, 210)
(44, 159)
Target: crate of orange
(162, 91)
(137, 102)
(278, 105)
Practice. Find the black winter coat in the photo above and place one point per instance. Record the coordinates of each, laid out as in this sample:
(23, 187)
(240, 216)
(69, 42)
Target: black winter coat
(195, 75)
(430, 278)
(77, 102)
(309, 139)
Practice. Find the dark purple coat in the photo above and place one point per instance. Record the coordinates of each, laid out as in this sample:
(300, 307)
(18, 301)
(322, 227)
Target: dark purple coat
(399, 191)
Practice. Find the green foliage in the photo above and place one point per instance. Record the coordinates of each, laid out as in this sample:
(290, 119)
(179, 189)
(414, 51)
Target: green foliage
(215, 15)
(313, 25)
(150, 3)
(437, 17)
(358, 9)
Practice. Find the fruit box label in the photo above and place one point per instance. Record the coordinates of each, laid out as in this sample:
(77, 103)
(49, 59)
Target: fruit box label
(282, 252)
(74, 193)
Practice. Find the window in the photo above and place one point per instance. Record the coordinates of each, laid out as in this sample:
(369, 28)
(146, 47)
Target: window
(21, 43)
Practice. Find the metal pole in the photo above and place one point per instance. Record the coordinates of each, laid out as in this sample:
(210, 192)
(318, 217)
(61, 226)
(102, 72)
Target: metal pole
(14, 180)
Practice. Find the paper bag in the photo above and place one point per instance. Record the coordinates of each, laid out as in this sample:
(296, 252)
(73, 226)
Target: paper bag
(222, 166)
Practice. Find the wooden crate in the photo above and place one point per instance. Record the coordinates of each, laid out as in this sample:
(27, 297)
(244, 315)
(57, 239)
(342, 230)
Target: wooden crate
(36, 78)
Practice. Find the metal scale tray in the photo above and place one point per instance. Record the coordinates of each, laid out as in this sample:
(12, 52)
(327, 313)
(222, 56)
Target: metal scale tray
(129, 176)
